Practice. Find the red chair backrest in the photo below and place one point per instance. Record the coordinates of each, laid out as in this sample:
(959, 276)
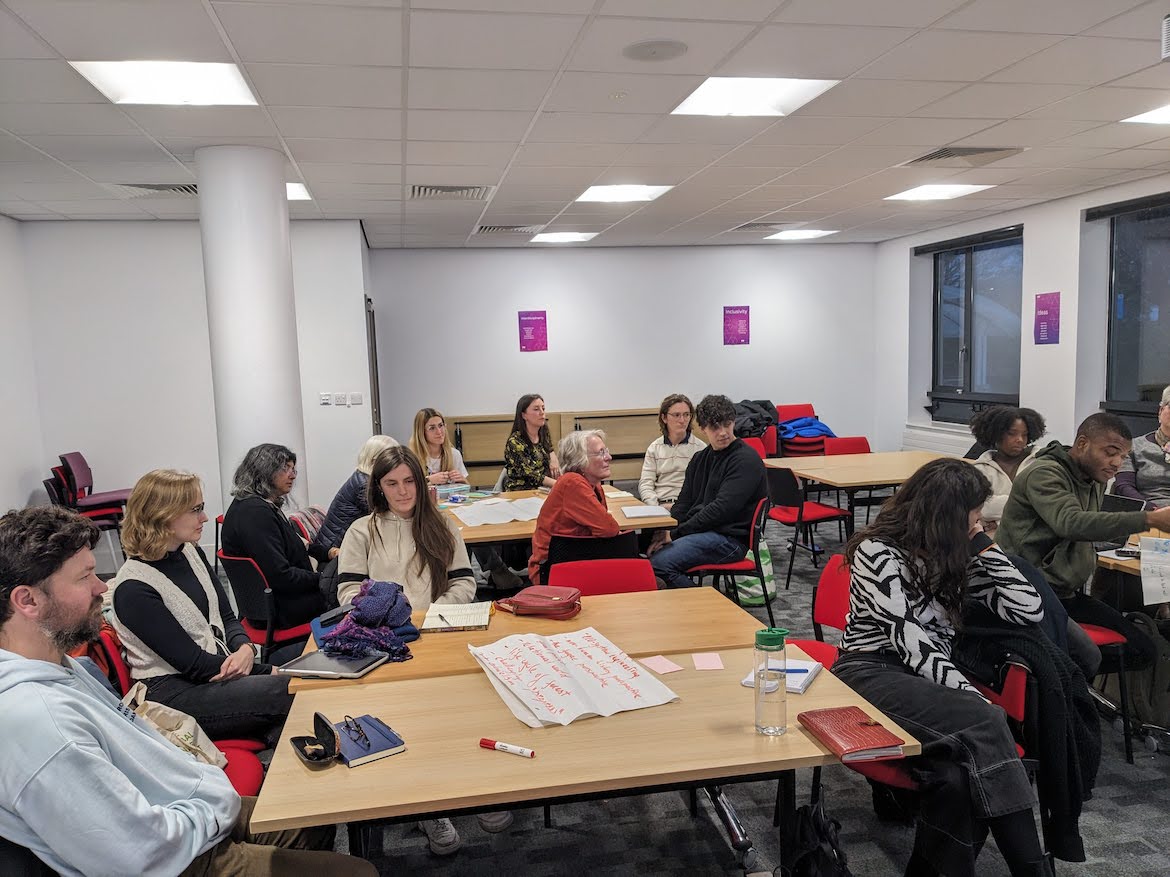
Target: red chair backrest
(112, 646)
(759, 519)
(613, 576)
(248, 584)
(756, 445)
(850, 444)
(791, 412)
(770, 441)
(831, 605)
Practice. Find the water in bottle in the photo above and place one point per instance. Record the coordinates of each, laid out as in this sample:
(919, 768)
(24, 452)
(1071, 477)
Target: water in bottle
(771, 693)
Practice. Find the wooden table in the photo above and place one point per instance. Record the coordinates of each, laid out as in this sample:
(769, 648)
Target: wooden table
(854, 471)
(1132, 566)
(516, 531)
(643, 623)
(705, 737)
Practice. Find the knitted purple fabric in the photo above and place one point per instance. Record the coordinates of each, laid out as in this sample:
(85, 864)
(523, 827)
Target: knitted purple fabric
(377, 609)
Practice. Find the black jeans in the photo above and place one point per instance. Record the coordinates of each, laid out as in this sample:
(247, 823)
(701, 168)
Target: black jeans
(253, 707)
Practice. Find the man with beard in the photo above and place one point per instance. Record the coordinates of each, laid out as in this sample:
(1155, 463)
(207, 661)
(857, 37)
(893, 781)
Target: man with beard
(86, 785)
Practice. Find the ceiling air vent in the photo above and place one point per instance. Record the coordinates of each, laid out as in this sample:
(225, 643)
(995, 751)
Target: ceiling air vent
(154, 190)
(964, 156)
(509, 229)
(451, 193)
(764, 226)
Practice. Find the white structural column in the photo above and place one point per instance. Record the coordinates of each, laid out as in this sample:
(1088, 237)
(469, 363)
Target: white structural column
(251, 312)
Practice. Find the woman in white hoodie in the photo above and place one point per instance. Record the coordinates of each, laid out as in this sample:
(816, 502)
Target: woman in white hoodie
(1010, 435)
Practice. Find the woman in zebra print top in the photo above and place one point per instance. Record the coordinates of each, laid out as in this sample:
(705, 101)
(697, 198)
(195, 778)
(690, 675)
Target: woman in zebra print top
(911, 572)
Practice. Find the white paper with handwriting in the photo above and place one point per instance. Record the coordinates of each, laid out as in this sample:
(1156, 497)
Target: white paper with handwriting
(1155, 570)
(554, 680)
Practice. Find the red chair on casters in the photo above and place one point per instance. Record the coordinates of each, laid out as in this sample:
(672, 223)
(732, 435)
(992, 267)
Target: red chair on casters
(1104, 638)
(258, 604)
(613, 576)
(726, 572)
(757, 445)
(790, 508)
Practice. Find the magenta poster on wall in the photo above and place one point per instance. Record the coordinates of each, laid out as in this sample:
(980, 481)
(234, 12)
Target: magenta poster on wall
(1047, 329)
(737, 324)
(533, 331)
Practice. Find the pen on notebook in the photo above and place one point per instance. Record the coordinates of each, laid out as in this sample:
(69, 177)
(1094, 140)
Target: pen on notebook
(507, 747)
(444, 620)
(797, 670)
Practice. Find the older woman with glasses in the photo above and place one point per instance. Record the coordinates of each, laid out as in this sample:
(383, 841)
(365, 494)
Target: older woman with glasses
(181, 637)
(254, 526)
(1145, 472)
(667, 458)
(576, 505)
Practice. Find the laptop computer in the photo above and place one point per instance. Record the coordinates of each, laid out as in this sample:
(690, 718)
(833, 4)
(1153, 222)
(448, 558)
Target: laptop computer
(1113, 502)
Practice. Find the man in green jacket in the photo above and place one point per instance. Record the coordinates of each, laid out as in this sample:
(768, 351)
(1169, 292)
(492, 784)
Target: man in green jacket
(1053, 516)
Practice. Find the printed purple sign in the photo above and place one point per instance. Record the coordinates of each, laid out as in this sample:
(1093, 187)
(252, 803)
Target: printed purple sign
(533, 330)
(1047, 329)
(737, 324)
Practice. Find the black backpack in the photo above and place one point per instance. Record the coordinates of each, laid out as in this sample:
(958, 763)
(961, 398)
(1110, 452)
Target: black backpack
(1149, 699)
(814, 850)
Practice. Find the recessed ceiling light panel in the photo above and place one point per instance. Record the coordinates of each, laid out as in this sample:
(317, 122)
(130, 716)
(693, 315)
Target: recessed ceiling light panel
(563, 237)
(751, 96)
(170, 83)
(935, 193)
(297, 192)
(655, 50)
(799, 234)
(622, 193)
(1160, 116)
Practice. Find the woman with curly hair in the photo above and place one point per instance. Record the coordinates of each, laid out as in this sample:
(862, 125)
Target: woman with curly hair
(910, 573)
(1010, 435)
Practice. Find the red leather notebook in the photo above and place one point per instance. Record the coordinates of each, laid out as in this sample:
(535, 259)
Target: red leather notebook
(851, 735)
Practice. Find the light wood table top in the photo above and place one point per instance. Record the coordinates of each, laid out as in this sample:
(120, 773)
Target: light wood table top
(1132, 566)
(514, 531)
(642, 623)
(879, 469)
(707, 735)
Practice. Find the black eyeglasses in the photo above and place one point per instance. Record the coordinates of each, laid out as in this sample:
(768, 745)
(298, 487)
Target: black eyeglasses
(355, 731)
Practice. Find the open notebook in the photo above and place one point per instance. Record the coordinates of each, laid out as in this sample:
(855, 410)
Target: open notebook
(797, 678)
(457, 616)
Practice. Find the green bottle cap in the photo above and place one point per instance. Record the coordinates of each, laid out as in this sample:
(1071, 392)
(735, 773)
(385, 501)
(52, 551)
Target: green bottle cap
(771, 638)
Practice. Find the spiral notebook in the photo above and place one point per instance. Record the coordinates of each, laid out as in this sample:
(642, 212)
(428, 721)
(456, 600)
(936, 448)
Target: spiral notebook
(448, 617)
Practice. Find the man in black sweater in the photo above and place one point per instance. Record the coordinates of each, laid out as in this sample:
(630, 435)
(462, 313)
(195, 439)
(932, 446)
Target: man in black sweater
(724, 482)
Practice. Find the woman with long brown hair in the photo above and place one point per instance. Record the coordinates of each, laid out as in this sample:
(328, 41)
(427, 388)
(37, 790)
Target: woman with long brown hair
(431, 443)
(911, 572)
(529, 458)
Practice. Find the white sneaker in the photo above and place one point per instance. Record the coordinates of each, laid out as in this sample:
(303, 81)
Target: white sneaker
(441, 835)
(501, 820)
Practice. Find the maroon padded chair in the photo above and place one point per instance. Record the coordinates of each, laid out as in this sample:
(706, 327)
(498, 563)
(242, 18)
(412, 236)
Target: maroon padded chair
(79, 478)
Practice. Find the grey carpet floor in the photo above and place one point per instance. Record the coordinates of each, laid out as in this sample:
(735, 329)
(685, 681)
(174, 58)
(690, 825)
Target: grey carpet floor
(1126, 826)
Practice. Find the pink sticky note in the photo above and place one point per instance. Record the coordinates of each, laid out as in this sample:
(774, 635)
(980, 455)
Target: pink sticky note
(707, 661)
(660, 664)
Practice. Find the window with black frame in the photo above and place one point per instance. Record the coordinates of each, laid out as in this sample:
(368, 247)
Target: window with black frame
(978, 286)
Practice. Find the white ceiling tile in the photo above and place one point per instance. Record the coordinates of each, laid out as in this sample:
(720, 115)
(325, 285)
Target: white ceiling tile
(67, 190)
(1025, 132)
(1125, 159)
(921, 132)
(52, 118)
(590, 127)
(812, 51)
(735, 176)
(698, 10)
(97, 208)
(342, 172)
(707, 44)
(1052, 157)
(201, 121)
(1102, 105)
(1155, 76)
(135, 172)
(671, 153)
(313, 34)
(574, 7)
(539, 176)
(775, 156)
(170, 208)
(338, 150)
(40, 170)
(25, 209)
(451, 175)
(349, 123)
(17, 41)
(445, 152)
(620, 92)
(657, 175)
(45, 82)
(108, 147)
(895, 13)
(876, 97)
(569, 154)
(14, 150)
(184, 148)
(503, 42)
(119, 30)
(309, 85)
(721, 131)
(476, 89)
(862, 157)
(1082, 61)
(1035, 16)
(1142, 23)
(988, 100)
(480, 125)
(955, 55)
(818, 130)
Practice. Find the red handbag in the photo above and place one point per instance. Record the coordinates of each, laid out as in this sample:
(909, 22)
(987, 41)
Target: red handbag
(544, 601)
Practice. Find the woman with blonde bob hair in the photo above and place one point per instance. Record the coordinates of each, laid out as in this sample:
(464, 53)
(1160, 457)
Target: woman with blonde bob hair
(182, 638)
(349, 503)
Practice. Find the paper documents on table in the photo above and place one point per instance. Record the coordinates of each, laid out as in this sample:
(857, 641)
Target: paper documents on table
(644, 511)
(798, 676)
(1155, 570)
(499, 512)
(457, 616)
(556, 679)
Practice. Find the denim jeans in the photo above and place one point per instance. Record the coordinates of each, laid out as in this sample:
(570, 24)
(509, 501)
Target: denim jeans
(672, 562)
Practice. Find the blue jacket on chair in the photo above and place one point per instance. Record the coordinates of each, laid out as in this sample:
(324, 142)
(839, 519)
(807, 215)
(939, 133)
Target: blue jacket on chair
(803, 427)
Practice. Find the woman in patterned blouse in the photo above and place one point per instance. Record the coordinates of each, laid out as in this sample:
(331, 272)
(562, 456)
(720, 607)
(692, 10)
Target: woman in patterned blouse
(911, 572)
(528, 453)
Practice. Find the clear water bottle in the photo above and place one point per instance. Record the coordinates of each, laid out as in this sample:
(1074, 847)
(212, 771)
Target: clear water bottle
(771, 689)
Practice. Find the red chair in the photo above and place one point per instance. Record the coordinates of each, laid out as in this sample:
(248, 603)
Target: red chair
(791, 412)
(258, 604)
(756, 445)
(243, 769)
(789, 507)
(852, 444)
(726, 572)
(771, 442)
(1104, 638)
(79, 478)
(614, 576)
(218, 524)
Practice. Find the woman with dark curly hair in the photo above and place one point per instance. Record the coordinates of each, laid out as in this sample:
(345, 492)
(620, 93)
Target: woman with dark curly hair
(1010, 435)
(910, 574)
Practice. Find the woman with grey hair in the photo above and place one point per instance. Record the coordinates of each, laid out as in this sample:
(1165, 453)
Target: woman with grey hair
(1145, 472)
(255, 527)
(576, 505)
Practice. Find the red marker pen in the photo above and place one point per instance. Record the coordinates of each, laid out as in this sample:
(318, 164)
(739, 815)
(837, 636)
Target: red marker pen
(507, 747)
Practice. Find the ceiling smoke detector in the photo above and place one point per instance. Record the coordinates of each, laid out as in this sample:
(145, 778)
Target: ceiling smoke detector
(655, 50)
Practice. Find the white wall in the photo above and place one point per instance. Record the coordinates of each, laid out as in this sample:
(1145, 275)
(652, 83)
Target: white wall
(1064, 382)
(22, 463)
(626, 327)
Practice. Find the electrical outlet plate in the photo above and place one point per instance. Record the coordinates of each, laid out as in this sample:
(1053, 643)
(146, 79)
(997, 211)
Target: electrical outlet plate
(355, 398)
(339, 398)
(326, 398)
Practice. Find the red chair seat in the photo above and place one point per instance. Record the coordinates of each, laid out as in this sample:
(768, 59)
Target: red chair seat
(821, 652)
(246, 745)
(814, 512)
(888, 773)
(243, 770)
(1103, 636)
(288, 634)
(737, 566)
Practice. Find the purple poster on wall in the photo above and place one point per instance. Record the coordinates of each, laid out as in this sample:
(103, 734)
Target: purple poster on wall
(1047, 329)
(533, 331)
(737, 324)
